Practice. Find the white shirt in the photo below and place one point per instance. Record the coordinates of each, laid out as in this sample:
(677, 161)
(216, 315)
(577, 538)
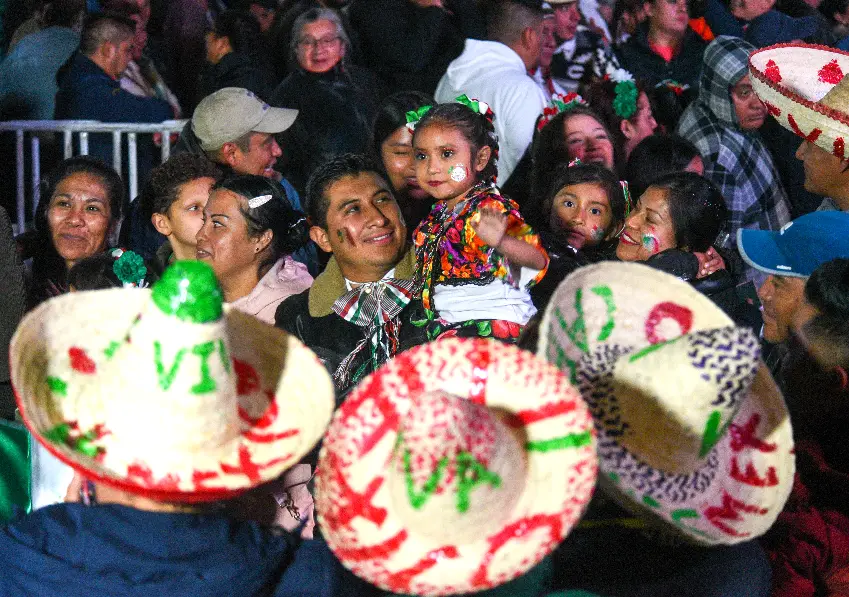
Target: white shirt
(493, 73)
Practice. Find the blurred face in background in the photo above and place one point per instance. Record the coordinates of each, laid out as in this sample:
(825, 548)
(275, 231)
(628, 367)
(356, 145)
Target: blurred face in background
(320, 48)
(548, 43)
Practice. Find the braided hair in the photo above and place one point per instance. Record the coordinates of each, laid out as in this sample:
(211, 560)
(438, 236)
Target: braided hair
(478, 129)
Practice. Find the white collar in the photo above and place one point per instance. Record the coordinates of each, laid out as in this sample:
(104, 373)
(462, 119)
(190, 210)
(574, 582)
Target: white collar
(351, 285)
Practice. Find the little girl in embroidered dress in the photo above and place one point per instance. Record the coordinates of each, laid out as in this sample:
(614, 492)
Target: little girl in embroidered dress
(476, 256)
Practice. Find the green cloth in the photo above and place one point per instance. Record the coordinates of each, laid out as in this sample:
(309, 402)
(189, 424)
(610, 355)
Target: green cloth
(15, 467)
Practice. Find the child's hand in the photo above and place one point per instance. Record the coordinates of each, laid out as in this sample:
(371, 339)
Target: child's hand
(709, 262)
(490, 227)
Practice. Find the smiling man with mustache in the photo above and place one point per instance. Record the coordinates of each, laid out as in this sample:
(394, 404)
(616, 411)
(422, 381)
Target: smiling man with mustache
(358, 312)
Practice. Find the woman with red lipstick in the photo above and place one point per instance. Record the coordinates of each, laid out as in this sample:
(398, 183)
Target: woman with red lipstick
(80, 207)
(249, 232)
(477, 258)
(392, 142)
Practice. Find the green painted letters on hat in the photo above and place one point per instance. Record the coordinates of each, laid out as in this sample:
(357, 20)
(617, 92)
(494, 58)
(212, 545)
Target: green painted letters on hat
(189, 291)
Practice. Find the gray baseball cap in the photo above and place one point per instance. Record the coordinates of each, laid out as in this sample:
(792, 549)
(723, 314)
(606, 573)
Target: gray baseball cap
(232, 112)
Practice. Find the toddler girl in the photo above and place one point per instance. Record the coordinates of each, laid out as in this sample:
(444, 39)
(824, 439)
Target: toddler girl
(476, 256)
(583, 212)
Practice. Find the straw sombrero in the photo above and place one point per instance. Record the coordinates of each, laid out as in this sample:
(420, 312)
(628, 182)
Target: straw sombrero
(691, 427)
(454, 468)
(805, 88)
(165, 392)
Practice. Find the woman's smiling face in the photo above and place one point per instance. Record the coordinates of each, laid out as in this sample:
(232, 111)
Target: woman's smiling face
(649, 229)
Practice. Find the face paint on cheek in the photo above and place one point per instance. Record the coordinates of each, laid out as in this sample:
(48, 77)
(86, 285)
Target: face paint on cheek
(457, 173)
(340, 235)
(597, 233)
(650, 244)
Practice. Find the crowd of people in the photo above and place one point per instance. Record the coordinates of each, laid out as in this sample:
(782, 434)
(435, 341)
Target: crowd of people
(313, 356)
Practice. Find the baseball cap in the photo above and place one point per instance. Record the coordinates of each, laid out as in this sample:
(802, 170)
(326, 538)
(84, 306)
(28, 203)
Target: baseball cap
(232, 112)
(799, 247)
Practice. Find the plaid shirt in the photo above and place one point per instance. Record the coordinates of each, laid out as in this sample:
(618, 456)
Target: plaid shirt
(737, 161)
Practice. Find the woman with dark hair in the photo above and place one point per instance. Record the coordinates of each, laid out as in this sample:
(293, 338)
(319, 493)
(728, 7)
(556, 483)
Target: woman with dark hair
(657, 155)
(336, 100)
(675, 222)
(249, 232)
(81, 204)
(626, 111)
(392, 142)
(234, 57)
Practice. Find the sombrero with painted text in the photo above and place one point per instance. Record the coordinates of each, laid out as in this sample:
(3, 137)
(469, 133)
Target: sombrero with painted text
(454, 468)
(166, 392)
(692, 430)
(805, 88)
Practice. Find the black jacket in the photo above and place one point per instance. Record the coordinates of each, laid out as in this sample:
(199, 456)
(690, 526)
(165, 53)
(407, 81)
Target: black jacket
(310, 318)
(335, 116)
(238, 70)
(637, 57)
(410, 47)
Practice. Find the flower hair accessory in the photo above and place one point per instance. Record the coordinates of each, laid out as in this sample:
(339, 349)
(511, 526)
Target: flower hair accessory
(477, 107)
(413, 117)
(559, 103)
(575, 162)
(674, 86)
(626, 93)
(130, 269)
(259, 201)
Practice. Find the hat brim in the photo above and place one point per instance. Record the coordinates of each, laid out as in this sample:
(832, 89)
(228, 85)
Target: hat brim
(745, 479)
(284, 409)
(359, 515)
(782, 72)
(276, 120)
(759, 249)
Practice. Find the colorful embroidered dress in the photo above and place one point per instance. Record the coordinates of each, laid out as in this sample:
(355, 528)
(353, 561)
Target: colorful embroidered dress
(449, 254)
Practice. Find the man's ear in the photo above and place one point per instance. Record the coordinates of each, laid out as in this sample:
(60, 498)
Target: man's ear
(161, 223)
(483, 157)
(228, 153)
(320, 237)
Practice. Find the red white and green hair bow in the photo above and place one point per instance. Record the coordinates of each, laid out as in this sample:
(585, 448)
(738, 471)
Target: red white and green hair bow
(413, 116)
(477, 106)
(559, 103)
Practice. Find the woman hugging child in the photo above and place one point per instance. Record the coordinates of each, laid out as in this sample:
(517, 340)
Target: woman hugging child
(477, 258)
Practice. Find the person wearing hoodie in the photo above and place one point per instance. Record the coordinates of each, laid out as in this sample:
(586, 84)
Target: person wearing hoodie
(723, 124)
(496, 72)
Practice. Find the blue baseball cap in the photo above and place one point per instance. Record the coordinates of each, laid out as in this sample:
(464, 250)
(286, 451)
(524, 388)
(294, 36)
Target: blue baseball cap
(799, 247)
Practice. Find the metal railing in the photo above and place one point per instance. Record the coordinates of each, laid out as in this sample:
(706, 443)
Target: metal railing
(82, 128)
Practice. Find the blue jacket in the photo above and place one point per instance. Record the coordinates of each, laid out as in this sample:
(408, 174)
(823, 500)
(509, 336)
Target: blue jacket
(73, 550)
(86, 92)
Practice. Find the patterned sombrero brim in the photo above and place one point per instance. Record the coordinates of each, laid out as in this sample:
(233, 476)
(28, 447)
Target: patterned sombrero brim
(606, 311)
(791, 79)
(373, 533)
(60, 362)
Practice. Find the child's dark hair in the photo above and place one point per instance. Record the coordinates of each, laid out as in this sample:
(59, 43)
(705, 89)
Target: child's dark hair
(94, 273)
(565, 176)
(696, 207)
(348, 164)
(165, 181)
(476, 128)
(288, 226)
(655, 156)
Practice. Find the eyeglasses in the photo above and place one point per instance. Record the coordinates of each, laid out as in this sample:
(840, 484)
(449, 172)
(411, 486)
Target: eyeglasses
(309, 43)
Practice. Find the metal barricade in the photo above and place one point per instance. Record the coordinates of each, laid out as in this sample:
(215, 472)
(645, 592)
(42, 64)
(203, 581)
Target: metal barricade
(82, 128)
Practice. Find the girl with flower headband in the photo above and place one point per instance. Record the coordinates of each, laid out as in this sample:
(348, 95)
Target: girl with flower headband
(114, 269)
(476, 256)
(626, 111)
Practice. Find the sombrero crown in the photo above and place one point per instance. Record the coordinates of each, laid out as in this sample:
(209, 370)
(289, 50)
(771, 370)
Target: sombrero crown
(692, 430)
(806, 88)
(167, 392)
(455, 467)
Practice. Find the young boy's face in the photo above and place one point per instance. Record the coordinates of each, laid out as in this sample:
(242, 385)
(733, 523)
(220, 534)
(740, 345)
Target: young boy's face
(582, 212)
(185, 217)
